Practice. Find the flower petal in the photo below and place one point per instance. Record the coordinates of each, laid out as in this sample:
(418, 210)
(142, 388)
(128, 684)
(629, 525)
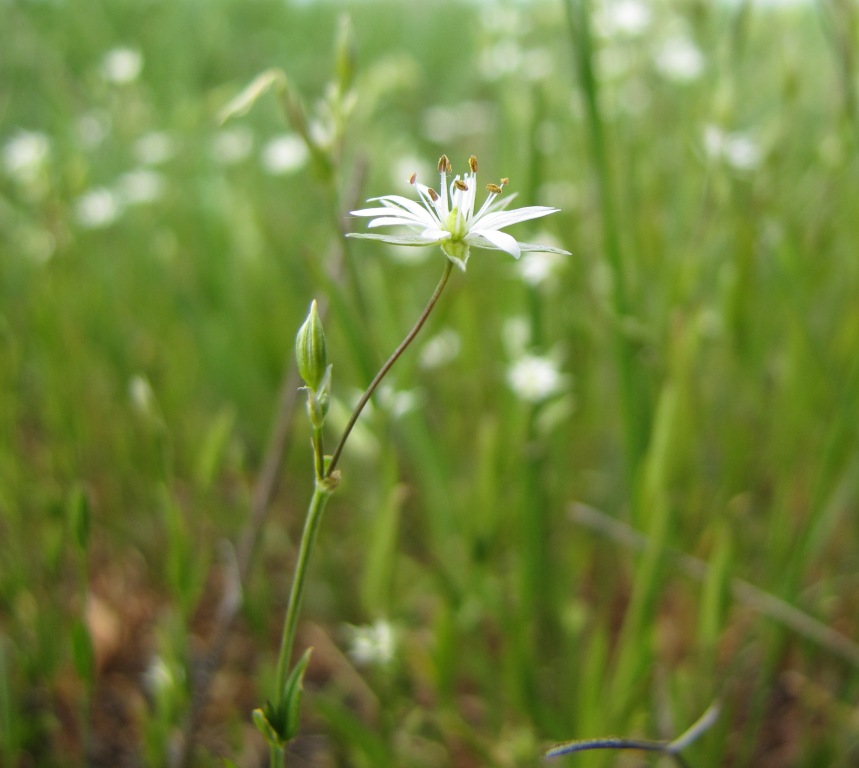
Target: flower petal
(394, 221)
(538, 248)
(405, 239)
(494, 240)
(501, 219)
(403, 202)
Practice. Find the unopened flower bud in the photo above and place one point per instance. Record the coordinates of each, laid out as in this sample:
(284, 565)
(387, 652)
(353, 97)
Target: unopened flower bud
(310, 353)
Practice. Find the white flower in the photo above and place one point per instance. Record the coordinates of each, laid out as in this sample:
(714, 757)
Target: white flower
(625, 17)
(140, 186)
(742, 153)
(93, 128)
(440, 349)
(26, 155)
(448, 218)
(155, 148)
(397, 403)
(680, 60)
(122, 65)
(232, 145)
(284, 154)
(97, 208)
(534, 379)
(373, 644)
(737, 149)
(540, 268)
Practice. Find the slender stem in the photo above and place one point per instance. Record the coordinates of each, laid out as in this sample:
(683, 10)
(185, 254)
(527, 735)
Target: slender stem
(318, 454)
(578, 15)
(277, 757)
(388, 365)
(290, 623)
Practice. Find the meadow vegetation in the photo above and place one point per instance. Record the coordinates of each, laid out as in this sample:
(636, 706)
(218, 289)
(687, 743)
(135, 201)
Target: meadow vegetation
(599, 492)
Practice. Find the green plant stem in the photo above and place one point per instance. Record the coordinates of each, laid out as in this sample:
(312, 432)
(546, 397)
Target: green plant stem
(277, 757)
(318, 455)
(321, 493)
(578, 15)
(448, 265)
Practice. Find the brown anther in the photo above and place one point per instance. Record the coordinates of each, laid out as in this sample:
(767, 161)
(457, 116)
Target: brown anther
(461, 185)
(432, 194)
(472, 163)
(493, 188)
(413, 178)
(444, 165)
(504, 182)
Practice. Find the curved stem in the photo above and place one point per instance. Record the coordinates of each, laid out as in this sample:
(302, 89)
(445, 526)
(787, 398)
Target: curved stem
(388, 365)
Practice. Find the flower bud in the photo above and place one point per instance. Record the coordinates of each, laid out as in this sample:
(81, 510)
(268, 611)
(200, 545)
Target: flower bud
(310, 353)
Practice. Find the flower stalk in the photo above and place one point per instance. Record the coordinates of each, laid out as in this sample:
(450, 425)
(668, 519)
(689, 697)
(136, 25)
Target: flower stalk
(446, 219)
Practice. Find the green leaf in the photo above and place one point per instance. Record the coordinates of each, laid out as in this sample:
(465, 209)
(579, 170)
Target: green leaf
(242, 103)
(263, 725)
(292, 690)
(78, 511)
(215, 442)
(82, 651)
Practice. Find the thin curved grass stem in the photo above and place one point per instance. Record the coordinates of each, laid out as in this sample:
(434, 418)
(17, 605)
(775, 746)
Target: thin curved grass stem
(389, 364)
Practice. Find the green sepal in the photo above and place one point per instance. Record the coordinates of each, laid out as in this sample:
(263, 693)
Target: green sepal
(278, 723)
(263, 725)
(292, 690)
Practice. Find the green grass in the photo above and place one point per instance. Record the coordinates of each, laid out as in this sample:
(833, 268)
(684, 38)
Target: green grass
(713, 408)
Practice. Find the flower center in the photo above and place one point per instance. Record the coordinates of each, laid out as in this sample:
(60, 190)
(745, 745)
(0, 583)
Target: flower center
(455, 224)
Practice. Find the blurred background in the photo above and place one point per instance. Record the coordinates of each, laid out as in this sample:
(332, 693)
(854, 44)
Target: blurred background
(598, 494)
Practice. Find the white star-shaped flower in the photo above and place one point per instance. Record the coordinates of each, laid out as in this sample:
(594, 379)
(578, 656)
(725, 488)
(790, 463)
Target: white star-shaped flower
(448, 218)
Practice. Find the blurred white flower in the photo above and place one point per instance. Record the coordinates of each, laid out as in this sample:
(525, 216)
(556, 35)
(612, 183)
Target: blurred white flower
(141, 395)
(372, 644)
(737, 149)
(140, 186)
(516, 335)
(504, 21)
(154, 148)
(322, 132)
(93, 128)
(232, 145)
(714, 141)
(680, 60)
(440, 350)
(444, 124)
(538, 268)
(396, 403)
(500, 59)
(97, 208)
(122, 65)
(26, 155)
(623, 17)
(284, 154)
(742, 153)
(538, 64)
(534, 378)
